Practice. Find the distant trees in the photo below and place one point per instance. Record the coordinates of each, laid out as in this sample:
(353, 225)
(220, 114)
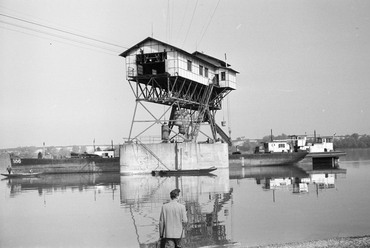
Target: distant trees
(353, 141)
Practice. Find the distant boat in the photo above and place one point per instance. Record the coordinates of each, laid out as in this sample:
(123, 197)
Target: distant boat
(271, 153)
(190, 172)
(321, 147)
(21, 175)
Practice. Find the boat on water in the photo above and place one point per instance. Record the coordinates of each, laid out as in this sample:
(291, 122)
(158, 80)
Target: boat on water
(188, 172)
(267, 159)
(278, 152)
(319, 147)
(77, 163)
(22, 175)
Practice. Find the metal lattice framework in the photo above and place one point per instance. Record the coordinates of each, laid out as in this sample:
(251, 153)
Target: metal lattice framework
(196, 103)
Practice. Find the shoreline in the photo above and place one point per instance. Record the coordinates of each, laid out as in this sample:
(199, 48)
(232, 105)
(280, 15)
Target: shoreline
(341, 242)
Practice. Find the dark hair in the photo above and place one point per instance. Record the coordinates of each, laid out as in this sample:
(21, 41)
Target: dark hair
(174, 193)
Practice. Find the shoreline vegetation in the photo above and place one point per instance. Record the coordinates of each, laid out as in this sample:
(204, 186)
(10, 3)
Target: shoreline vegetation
(339, 242)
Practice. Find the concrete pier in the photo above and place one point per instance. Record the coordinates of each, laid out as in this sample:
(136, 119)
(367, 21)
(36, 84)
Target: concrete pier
(137, 158)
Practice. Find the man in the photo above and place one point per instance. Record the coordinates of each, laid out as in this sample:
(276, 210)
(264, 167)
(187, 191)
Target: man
(173, 215)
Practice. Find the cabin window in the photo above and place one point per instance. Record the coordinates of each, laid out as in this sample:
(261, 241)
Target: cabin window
(201, 70)
(151, 63)
(140, 70)
(206, 72)
(281, 145)
(223, 76)
(189, 65)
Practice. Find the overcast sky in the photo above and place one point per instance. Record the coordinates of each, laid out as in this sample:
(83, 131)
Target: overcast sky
(304, 65)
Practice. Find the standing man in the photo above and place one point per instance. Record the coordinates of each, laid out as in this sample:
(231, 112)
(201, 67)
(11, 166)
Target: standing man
(173, 215)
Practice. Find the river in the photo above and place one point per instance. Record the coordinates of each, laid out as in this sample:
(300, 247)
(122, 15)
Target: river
(242, 206)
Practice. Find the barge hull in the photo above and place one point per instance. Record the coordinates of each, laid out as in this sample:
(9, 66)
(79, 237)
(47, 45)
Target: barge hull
(68, 165)
(267, 159)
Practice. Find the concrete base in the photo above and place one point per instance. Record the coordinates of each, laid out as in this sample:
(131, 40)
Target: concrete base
(144, 158)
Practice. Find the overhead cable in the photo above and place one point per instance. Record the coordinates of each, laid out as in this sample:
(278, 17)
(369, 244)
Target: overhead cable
(57, 36)
(62, 31)
(191, 21)
(210, 20)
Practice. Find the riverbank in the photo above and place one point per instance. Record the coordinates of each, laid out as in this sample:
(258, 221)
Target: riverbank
(362, 242)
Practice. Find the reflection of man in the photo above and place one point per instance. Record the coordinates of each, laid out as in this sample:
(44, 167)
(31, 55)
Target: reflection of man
(9, 169)
(173, 215)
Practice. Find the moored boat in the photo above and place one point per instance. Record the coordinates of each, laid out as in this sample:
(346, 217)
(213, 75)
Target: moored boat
(267, 159)
(189, 172)
(76, 164)
(320, 147)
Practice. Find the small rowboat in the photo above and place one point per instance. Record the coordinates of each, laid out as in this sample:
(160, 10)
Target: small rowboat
(21, 175)
(192, 172)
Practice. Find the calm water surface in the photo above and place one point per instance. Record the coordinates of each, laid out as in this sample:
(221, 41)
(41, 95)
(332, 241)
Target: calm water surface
(247, 206)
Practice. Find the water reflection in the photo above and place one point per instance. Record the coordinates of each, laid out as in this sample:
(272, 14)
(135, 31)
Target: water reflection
(62, 182)
(208, 199)
(296, 179)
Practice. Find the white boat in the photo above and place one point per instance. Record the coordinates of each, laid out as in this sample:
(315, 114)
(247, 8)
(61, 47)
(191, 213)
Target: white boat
(320, 146)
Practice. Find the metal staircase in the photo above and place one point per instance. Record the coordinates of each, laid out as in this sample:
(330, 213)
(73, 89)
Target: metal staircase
(203, 108)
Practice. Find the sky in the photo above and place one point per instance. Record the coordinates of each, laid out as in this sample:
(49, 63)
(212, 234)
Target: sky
(303, 65)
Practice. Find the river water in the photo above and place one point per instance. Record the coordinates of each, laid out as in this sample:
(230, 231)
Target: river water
(242, 206)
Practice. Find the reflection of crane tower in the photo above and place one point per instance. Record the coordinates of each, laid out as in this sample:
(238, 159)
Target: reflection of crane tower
(192, 86)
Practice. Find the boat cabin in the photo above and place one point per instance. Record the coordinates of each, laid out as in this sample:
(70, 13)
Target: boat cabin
(105, 154)
(322, 144)
(277, 146)
(319, 144)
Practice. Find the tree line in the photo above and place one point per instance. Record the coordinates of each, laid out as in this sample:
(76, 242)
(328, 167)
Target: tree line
(353, 141)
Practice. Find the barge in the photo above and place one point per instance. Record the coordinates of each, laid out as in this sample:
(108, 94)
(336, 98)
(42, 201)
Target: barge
(275, 152)
(267, 159)
(86, 164)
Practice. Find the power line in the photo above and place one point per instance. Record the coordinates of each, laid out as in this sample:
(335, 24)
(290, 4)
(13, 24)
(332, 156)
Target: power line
(55, 35)
(110, 52)
(205, 31)
(62, 31)
(191, 21)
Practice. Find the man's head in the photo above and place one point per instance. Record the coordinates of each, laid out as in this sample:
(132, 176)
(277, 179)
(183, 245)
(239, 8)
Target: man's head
(174, 193)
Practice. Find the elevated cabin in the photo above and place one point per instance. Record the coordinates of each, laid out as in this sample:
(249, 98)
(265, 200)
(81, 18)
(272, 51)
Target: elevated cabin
(193, 85)
(175, 73)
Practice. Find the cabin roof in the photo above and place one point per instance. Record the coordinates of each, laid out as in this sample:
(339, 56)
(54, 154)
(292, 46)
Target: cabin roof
(196, 55)
(214, 61)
